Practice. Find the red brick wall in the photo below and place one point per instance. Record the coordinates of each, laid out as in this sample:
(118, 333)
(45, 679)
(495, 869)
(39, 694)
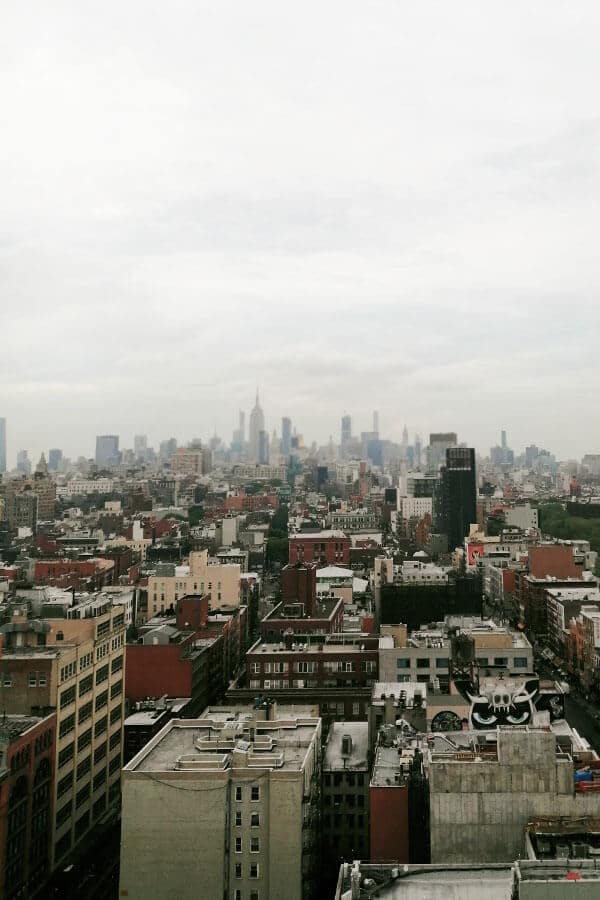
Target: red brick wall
(389, 823)
(554, 560)
(333, 551)
(153, 670)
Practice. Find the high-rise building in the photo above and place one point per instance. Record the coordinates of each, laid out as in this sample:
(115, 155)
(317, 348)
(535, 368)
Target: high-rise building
(107, 450)
(2, 445)
(263, 448)
(55, 457)
(456, 497)
(346, 435)
(167, 448)
(23, 462)
(286, 436)
(225, 805)
(74, 666)
(257, 424)
(140, 446)
(438, 444)
(376, 422)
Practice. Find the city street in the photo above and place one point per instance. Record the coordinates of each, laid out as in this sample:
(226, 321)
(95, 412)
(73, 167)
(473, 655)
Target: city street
(580, 714)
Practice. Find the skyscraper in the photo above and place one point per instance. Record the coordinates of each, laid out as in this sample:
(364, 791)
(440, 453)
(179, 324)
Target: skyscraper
(257, 424)
(456, 497)
(346, 435)
(107, 450)
(23, 462)
(263, 448)
(140, 446)
(2, 445)
(376, 422)
(286, 436)
(54, 459)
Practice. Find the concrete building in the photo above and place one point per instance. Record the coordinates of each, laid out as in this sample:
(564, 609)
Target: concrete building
(224, 806)
(74, 666)
(256, 426)
(221, 583)
(523, 516)
(346, 774)
(482, 796)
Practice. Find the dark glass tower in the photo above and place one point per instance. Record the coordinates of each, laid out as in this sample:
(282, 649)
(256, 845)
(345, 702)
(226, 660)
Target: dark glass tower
(456, 506)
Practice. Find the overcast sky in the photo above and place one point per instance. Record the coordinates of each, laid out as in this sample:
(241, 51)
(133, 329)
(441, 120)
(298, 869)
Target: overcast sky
(354, 204)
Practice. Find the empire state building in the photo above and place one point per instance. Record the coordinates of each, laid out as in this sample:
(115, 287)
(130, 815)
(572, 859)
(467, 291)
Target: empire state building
(257, 425)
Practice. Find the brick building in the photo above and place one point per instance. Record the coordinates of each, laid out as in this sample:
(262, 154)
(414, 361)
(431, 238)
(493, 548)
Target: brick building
(321, 547)
(83, 575)
(27, 777)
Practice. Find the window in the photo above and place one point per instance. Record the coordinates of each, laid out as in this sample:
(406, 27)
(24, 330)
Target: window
(442, 663)
(238, 793)
(255, 792)
(63, 814)
(101, 700)
(482, 660)
(238, 894)
(67, 725)
(369, 665)
(115, 739)
(67, 697)
(356, 709)
(403, 663)
(65, 784)
(99, 779)
(253, 870)
(238, 845)
(255, 820)
(82, 795)
(238, 870)
(500, 660)
(101, 726)
(84, 740)
(84, 767)
(254, 845)
(85, 712)
(86, 684)
(32, 680)
(254, 895)
(66, 754)
(422, 662)
(102, 674)
(100, 753)
(115, 714)
(116, 689)
(520, 662)
(7, 680)
(116, 665)
(238, 819)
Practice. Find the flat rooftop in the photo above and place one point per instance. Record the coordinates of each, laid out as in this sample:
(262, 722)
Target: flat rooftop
(12, 727)
(357, 759)
(211, 744)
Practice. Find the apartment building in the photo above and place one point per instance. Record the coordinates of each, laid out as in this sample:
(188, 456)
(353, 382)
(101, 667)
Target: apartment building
(345, 821)
(26, 780)
(331, 547)
(220, 583)
(74, 666)
(224, 806)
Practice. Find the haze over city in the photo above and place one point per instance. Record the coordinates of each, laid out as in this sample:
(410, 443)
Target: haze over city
(363, 205)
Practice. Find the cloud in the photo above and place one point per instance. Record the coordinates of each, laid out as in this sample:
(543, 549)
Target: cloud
(362, 205)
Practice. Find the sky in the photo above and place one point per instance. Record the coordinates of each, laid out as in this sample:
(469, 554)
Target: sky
(353, 205)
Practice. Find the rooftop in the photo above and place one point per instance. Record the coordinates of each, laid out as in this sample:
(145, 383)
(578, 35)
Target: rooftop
(427, 882)
(228, 741)
(352, 754)
(12, 727)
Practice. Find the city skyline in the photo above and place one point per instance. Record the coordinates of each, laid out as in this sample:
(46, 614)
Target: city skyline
(444, 262)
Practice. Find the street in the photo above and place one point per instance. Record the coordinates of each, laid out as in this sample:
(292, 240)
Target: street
(580, 714)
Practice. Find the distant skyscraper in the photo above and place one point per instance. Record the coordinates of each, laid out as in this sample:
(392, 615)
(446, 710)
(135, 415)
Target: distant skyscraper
(418, 451)
(167, 448)
(456, 497)
(140, 446)
(107, 450)
(503, 439)
(346, 435)
(376, 422)
(263, 448)
(405, 436)
(23, 462)
(54, 459)
(438, 444)
(2, 445)
(286, 436)
(257, 424)
(242, 426)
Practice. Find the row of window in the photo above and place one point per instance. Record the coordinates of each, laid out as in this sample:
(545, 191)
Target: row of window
(254, 819)
(254, 845)
(519, 662)
(34, 679)
(423, 662)
(368, 665)
(253, 871)
(351, 800)
(348, 821)
(253, 895)
(254, 792)
(337, 778)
